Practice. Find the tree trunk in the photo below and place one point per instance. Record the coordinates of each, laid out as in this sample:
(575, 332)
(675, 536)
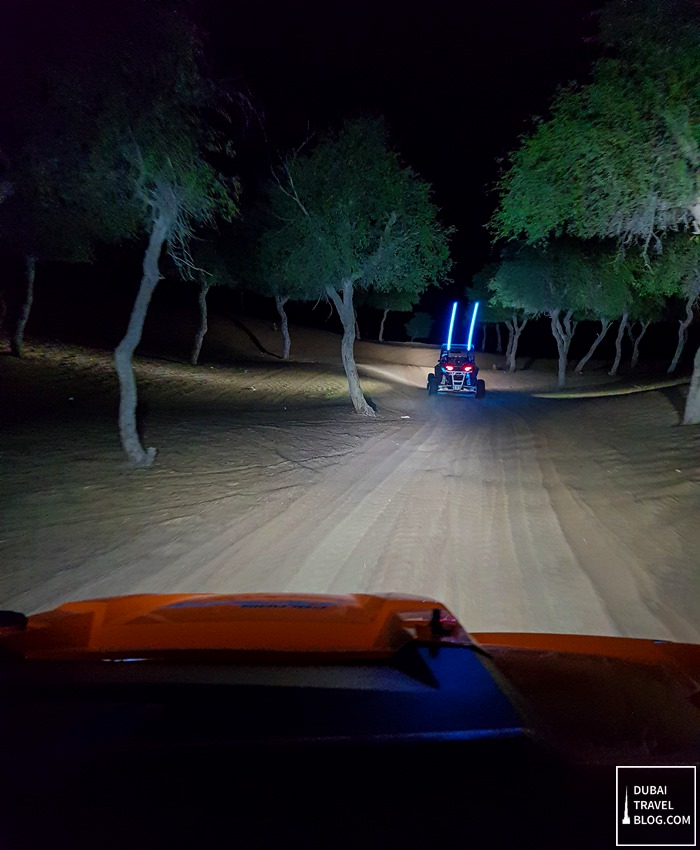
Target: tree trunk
(203, 326)
(124, 352)
(499, 341)
(357, 326)
(563, 330)
(484, 328)
(618, 344)
(381, 326)
(346, 313)
(635, 342)
(691, 416)
(683, 325)
(515, 329)
(604, 327)
(17, 341)
(511, 338)
(280, 301)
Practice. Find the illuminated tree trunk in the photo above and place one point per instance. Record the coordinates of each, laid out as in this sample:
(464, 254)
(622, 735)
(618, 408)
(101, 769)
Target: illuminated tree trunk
(484, 328)
(604, 327)
(511, 338)
(346, 313)
(203, 324)
(636, 340)
(563, 329)
(499, 340)
(683, 326)
(280, 301)
(691, 415)
(515, 328)
(124, 352)
(17, 342)
(618, 344)
(381, 325)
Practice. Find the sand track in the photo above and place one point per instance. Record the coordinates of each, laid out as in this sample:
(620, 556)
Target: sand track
(521, 514)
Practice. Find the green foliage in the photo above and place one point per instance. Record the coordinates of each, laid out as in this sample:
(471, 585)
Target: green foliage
(350, 210)
(393, 300)
(619, 157)
(212, 262)
(539, 281)
(673, 272)
(155, 128)
(419, 326)
(606, 283)
(490, 308)
(596, 281)
(593, 279)
(646, 307)
(263, 257)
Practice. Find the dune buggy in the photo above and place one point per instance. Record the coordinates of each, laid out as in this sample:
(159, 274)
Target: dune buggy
(456, 372)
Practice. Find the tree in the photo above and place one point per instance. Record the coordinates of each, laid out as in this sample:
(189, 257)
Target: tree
(17, 341)
(590, 169)
(419, 326)
(624, 276)
(398, 302)
(146, 165)
(675, 273)
(164, 152)
(516, 325)
(607, 295)
(128, 112)
(45, 211)
(672, 275)
(621, 328)
(484, 335)
(351, 217)
(210, 269)
(684, 323)
(620, 156)
(547, 282)
(643, 310)
(32, 251)
(36, 227)
(499, 340)
(262, 260)
(495, 312)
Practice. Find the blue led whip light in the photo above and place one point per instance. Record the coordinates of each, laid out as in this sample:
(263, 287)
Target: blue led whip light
(471, 327)
(452, 324)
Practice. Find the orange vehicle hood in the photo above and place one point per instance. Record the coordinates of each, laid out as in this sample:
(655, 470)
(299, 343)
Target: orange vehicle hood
(595, 698)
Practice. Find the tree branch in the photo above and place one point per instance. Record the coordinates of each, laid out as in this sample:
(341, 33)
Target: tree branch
(335, 298)
(293, 195)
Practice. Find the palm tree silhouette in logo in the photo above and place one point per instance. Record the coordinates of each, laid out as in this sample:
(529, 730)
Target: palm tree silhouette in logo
(626, 817)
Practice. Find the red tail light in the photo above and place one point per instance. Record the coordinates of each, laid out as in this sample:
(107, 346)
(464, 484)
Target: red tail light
(449, 368)
(468, 368)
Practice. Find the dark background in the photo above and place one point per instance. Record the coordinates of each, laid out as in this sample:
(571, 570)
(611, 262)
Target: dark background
(456, 81)
(457, 84)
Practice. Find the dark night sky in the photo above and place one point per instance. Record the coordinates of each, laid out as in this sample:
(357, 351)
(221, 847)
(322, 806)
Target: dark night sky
(457, 82)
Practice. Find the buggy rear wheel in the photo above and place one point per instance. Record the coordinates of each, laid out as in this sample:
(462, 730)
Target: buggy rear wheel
(432, 385)
(480, 388)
